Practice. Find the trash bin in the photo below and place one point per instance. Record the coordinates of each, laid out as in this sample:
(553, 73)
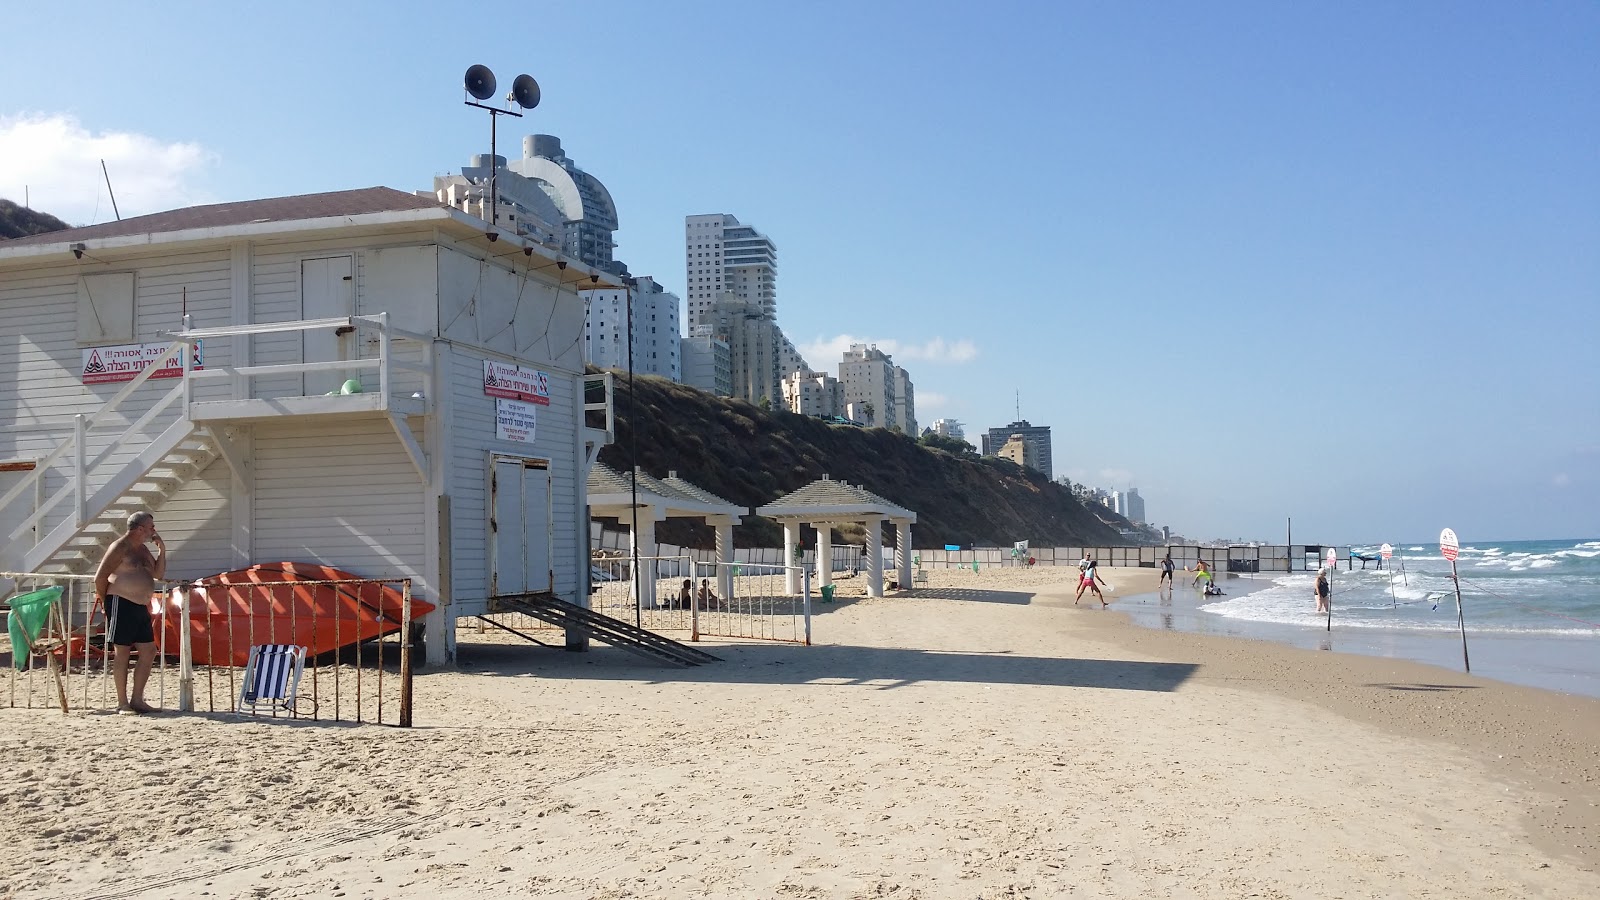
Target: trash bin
(827, 593)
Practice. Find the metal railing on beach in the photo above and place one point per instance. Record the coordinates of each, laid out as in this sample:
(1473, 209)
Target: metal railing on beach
(752, 601)
(359, 669)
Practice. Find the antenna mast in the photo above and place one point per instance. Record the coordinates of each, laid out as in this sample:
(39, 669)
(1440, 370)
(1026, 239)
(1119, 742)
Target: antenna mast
(1019, 405)
(110, 191)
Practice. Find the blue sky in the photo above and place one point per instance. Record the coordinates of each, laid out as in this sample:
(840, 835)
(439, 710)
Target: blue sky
(1259, 260)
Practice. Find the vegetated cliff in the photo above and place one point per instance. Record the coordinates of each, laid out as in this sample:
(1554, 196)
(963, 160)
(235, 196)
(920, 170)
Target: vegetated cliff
(751, 457)
(20, 221)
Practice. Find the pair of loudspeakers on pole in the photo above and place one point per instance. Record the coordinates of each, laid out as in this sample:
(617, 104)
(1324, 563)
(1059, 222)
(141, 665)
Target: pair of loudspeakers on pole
(480, 83)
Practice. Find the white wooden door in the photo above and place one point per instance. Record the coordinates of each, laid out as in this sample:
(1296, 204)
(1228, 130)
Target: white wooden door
(327, 290)
(519, 526)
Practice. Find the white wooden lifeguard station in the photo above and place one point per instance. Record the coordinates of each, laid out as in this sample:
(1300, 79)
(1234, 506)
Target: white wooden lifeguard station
(378, 383)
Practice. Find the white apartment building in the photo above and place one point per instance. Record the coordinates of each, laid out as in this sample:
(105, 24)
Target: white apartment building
(813, 394)
(871, 380)
(656, 345)
(949, 428)
(707, 362)
(723, 256)
(905, 401)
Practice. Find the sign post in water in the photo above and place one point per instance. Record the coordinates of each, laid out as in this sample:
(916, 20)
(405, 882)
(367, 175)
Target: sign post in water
(1385, 552)
(1450, 548)
(1333, 563)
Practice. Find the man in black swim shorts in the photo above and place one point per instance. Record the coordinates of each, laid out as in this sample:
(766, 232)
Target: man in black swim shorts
(131, 571)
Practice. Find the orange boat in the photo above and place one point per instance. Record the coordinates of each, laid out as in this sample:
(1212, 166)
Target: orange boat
(273, 603)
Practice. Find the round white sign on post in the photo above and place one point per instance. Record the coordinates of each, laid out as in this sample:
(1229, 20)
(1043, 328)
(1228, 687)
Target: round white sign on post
(1449, 545)
(1386, 551)
(1333, 558)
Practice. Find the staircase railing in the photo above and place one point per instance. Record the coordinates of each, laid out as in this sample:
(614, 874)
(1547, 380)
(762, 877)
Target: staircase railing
(77, 485)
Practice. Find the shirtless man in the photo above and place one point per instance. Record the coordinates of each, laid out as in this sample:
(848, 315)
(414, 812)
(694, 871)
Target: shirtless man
(131, 571)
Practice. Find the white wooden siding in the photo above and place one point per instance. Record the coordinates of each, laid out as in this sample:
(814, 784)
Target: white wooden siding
(339, 493)
(472, 439)
(197, 524)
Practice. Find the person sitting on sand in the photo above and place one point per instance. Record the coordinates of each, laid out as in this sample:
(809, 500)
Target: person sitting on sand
(685, 595)
(708, 597)
(1090, 575)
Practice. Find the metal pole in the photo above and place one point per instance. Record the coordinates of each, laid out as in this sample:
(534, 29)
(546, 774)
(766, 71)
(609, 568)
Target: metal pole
(1288, 549)
(494, 169)
(633, 465)
(1461, 618)
(405, 654)
(1330, 599)
(110, 191)
(805, 578)
(185, 652)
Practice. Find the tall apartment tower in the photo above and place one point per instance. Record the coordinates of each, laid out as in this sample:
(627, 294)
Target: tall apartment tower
(656, 345)
(724, 256)
(868, 376)
(1037, 435)
(589, 217)
(1135, 504)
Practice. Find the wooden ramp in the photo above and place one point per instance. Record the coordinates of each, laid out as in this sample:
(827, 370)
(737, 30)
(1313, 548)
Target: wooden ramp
(626, 636)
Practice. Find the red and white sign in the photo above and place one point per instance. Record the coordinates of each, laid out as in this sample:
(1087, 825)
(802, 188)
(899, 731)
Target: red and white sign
(1448, 545)
(1333, 558)
(515, 382)
(1386, 551)
(124, 362)
(515, 420)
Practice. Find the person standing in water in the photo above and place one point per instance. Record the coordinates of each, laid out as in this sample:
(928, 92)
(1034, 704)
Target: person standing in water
(1167, 568)
(1201, 573)
(1324, 591)
(131, 571)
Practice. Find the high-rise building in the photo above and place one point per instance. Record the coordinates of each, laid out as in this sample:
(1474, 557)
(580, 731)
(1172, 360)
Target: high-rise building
(1037, 435)
(813, 394)
(1135, 505)
(656, 345)
(949, 428)
(589, 217)
(1020, 451)
(707, 362)
(755, 347)
(871, 380)
(723, 256)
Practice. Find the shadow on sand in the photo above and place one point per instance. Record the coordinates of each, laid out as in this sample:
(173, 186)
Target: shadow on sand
(874, 667)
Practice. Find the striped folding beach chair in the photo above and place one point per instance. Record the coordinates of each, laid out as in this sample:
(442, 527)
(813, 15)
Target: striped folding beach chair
(272, 676)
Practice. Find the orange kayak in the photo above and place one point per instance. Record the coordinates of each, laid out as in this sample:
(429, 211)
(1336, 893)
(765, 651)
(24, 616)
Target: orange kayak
(272, 603)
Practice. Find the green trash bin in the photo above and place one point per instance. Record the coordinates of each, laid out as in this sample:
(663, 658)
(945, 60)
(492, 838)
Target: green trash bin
(827, 593)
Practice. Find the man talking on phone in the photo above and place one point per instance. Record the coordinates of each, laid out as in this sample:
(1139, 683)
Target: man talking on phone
(124, 585)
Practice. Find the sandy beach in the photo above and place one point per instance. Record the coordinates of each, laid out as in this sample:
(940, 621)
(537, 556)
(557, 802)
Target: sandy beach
(980, 736)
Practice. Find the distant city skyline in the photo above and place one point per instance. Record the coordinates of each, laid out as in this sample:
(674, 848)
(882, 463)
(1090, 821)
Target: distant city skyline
(1330, 263)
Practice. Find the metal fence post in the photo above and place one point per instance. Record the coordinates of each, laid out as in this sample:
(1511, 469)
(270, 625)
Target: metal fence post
(405, 654)
(805, 580)
(185, 652)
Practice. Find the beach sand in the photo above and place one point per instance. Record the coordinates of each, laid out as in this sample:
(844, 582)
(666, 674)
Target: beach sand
(976, 737)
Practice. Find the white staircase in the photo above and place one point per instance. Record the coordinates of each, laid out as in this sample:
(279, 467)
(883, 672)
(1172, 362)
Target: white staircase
(163, 466)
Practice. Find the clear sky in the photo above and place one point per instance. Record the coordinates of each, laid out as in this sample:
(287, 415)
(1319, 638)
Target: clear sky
(1335, 262)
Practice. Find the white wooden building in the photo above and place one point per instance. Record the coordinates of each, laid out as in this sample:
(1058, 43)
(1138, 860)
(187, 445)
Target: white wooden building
(381, 386)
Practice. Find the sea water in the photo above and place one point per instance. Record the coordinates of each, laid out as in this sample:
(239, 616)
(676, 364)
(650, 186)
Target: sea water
(1531, 610)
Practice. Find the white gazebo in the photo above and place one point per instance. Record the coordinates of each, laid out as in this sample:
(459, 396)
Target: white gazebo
(611, 496)
(825, 503)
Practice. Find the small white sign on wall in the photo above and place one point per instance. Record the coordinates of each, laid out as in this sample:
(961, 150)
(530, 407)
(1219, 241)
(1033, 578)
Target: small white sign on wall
(514, 420)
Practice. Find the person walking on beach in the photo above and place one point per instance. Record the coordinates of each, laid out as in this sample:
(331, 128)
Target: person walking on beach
(131, 570)
(1166, 572)
(1090, 576)
(1201, 572)
(1324, 591)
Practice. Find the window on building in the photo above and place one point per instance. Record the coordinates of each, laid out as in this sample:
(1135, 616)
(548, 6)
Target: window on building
(105, 308)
